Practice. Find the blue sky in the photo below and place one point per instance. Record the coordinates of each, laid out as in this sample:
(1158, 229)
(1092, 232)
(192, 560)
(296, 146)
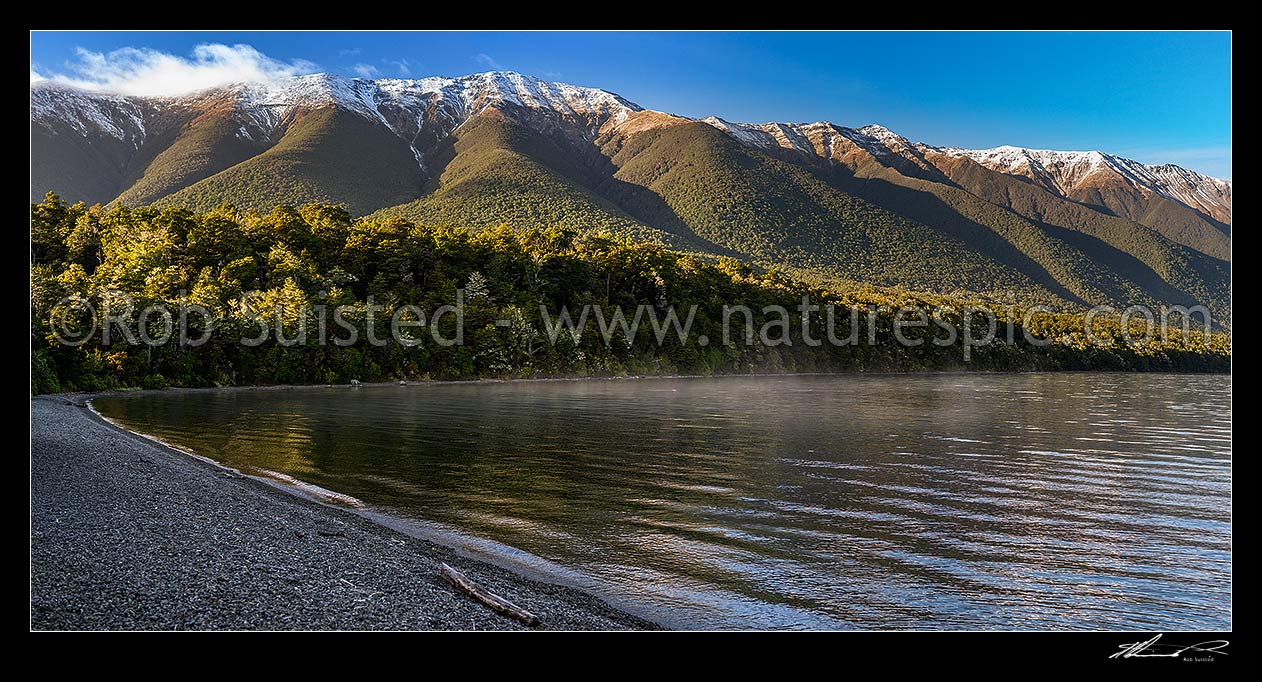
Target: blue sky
(1155, 97)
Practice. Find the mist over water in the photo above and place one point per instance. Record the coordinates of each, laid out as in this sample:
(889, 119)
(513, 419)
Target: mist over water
(1030, 501)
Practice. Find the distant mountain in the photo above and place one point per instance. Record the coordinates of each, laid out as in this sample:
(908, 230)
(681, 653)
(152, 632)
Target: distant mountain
(1087, 176)
(857, 204)
(1185, 206)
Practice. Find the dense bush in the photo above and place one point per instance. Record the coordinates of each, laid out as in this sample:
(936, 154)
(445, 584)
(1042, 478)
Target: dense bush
(277, 264)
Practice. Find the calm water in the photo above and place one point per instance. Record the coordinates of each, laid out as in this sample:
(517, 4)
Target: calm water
(961, 501)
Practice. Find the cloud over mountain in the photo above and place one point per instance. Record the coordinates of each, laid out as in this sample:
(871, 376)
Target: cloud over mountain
(148, 72)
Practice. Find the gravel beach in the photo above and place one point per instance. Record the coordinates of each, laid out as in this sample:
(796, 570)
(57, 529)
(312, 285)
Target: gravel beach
(127, 534)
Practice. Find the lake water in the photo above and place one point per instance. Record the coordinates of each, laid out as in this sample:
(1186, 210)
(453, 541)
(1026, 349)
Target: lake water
(1032, 501)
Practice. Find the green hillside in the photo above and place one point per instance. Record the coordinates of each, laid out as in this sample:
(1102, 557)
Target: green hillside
(70, 165)
(496, 173)
(1077, 265)
(956, 229)
(328, 155)
(1176, 222)
(209, 145)
(1127, 248)
(777, 212)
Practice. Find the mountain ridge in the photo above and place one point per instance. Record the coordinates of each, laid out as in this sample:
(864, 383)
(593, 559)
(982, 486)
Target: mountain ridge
(860, 204)
(321, 88)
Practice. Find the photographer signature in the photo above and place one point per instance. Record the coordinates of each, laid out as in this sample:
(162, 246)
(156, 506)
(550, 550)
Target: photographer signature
(1153, 649)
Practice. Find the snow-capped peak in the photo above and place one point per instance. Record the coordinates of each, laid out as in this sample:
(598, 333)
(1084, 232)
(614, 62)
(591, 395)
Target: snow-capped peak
(459, 97)
(880, 132)
(1014, 159)
(512, 88)
(420, 111)
(1062, 172)
(85, 112)
(425, 110)
(1067, 171)
(814, 138)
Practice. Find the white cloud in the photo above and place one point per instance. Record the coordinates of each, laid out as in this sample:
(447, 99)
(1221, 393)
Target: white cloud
(365, 70)
(349, 52)
(144, 71)
(486, 60)
(35, 77)
(403, 65)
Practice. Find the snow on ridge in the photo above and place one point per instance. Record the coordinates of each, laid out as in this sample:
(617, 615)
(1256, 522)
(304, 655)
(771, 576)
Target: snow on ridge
(791, 136)
(511, 88)
(747, 133)
(311, 91)
(435, 105)
(116, 116)
(1209, 194)
(458, 99)
(1017, 157)
(879, 140)
(1014, 159)
(438, 105)
(1066, 170)
(1173, 175)
(1062, 171)
(879, 132)
(875, 139)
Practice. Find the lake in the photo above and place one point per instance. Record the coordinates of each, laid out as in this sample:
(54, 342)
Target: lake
(984, 501)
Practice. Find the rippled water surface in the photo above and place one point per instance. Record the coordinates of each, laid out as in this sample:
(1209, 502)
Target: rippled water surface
(953, 501)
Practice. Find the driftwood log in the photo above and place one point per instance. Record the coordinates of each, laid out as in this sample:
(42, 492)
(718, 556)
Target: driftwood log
(483, 596)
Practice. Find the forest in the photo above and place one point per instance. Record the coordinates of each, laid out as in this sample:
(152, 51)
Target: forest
(286, 263)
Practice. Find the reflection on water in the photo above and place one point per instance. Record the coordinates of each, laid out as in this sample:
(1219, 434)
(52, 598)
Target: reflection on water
(953, 501)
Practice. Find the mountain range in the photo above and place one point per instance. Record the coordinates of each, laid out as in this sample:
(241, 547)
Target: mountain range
(856, 205)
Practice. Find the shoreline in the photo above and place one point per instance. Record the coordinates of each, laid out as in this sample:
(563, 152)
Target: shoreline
(130, 533)
(83, 397)
(469, 549)
(473, 547)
